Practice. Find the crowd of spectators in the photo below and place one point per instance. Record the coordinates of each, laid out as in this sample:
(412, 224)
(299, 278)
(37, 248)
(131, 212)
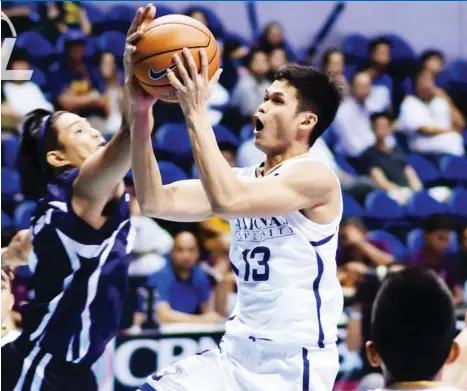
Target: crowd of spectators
(182, 271)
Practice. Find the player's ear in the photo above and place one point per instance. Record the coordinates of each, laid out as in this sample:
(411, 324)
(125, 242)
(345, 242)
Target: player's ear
(57, 159)
(372, 354)
(308, 120)
(453, 353)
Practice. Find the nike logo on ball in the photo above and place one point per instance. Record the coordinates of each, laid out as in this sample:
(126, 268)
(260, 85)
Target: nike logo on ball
(157, 75)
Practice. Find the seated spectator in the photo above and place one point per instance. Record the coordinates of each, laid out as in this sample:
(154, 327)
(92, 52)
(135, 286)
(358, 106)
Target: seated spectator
(333, 63)
(356, 254)
(152, 243)
(223, 282)
(183, 288)
(72, 82)
(436, 237)
(20, 97)
(9, 329)
(248, 94)
(272, 37)
(387, 165)
(58, 17)
(277, 58)
(380, 58)
(433, 61)
(427, 119)
(352, 124)
(108, 79)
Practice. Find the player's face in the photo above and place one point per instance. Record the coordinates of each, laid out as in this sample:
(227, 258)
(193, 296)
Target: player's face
(277, 122)
(78, 138)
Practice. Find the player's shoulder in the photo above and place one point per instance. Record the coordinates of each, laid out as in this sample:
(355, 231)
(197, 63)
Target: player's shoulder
(310, 169)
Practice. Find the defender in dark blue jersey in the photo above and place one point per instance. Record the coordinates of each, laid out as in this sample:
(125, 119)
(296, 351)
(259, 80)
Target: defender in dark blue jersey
(81, 238)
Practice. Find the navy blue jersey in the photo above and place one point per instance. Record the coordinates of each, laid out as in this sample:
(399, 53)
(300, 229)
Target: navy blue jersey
(79, 276)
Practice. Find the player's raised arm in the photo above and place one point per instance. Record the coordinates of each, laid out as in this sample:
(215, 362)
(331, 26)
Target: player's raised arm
(304, 185)
(101, 174)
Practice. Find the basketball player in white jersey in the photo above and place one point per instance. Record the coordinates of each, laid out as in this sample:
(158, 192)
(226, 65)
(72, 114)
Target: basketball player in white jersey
(284, 216)
(413, 327)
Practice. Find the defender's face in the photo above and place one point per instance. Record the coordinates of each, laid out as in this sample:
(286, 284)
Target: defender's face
(276, 120)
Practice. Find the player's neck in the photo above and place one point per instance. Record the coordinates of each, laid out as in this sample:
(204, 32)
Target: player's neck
(274, 160)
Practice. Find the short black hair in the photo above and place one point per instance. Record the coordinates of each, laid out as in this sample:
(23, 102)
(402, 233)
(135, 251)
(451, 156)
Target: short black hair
(376, 42)
(316, 92)
(381, 114)
(430, 53)
(34, 169)
(326, 57)
(437, 222)
(413, 324)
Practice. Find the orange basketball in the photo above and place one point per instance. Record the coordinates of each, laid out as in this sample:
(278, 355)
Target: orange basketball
(167, 36)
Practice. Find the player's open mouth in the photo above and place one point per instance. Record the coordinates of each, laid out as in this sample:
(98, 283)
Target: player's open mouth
(259, 126)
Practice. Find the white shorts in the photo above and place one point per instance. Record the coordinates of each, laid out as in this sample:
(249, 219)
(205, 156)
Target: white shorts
(251, 365)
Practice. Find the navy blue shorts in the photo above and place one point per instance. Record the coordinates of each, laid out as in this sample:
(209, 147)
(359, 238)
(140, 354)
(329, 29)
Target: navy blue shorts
(36, 370)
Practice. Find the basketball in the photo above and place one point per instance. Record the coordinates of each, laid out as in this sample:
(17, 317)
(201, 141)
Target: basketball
(164, 38)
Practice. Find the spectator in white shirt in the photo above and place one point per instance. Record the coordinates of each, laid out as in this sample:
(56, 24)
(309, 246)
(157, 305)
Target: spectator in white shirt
(427, 119)
(152, 243)
(252, 83)
(352, 124)
(20, 97)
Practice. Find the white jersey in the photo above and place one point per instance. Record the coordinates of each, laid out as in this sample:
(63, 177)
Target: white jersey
(288, 290)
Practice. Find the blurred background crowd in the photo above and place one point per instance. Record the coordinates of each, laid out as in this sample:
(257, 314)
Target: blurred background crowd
(397, 145)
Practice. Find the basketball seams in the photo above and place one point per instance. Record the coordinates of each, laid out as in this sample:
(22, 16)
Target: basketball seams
(168, 51)
(167, 85)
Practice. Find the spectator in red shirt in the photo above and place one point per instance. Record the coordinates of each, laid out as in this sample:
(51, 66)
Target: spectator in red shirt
(437, 230)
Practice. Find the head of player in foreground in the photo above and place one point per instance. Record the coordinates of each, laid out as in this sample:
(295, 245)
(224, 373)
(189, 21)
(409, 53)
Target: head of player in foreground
(412, 328)
(298, 107)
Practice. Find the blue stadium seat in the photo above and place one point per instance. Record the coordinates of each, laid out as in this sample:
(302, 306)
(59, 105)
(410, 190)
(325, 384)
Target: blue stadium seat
(457, 203)
(10, 148)
(95, 15)
(39, 78)
(379, 206)
(38, 48)
(171, 173)
(400, 48)
(458, 74)
(224, 135)
(11, 185)
(214, 22)
(356, 49)
(351, 207)
(330, 138)
(164, 10)
(23, 213)
(6, 221)
(454, 169)
(345, 165)
(396, 247)
(422, 205)
(119, 17)
(415, 241)
(113, 42)
(427, 171)
(174, 139)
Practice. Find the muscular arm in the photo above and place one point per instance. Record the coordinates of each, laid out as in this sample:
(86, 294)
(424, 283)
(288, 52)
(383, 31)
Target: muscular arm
(180, 201)
(231, 196)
